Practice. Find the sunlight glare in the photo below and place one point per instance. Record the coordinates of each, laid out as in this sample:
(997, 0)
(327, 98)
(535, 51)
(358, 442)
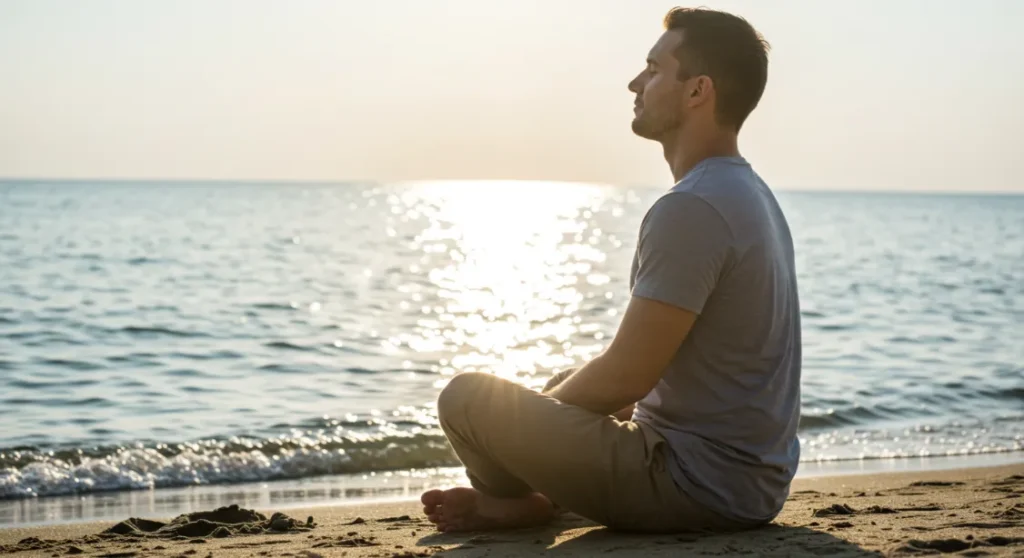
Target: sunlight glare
(505, 258)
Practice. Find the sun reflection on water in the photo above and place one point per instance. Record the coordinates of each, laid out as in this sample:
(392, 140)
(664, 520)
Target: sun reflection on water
(504, 260)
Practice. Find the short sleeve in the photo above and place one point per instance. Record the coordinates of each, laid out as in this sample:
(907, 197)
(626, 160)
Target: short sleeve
(683, 246)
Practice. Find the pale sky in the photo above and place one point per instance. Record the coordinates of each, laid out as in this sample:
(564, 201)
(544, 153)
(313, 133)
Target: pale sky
(904, 95)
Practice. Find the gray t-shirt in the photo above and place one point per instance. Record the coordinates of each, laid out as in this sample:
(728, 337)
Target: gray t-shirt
(717, 244)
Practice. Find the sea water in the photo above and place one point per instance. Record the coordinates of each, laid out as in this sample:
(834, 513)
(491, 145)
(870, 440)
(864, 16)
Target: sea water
(174, 335)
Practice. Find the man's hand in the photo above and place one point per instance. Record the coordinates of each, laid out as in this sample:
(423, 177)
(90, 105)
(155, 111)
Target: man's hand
(647, 340)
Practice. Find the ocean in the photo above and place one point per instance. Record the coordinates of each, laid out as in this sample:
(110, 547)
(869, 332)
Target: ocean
(168, 344)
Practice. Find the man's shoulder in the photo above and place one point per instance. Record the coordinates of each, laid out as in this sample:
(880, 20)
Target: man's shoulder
(737, 191)
(683, 209)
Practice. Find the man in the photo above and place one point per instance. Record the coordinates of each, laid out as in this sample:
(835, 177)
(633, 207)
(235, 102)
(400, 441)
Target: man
(708, 350)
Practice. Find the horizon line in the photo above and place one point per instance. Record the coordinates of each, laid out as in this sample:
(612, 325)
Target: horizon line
(354, 181)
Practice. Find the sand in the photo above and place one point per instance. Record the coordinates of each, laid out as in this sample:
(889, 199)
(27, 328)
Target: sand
(970, 512)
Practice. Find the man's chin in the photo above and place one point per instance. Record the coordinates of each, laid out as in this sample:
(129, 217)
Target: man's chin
(642, 130)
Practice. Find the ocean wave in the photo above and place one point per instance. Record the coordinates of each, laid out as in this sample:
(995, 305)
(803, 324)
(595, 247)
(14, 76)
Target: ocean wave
(143, 468)
(834, 418)
(42, 384)
(187, 373)
(143, 260)
(325, 446)
(60, 402)
(27, 474)
(275, 306)
(213, 355)
(80, 365)
(286, 346)
(154, 331)
(1010, 394)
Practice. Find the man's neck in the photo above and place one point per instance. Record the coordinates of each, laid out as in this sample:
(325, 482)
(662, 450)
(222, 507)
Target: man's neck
(683, 152)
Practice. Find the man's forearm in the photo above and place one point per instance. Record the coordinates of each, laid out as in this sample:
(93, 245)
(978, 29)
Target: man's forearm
(595, 387)
(625, 413)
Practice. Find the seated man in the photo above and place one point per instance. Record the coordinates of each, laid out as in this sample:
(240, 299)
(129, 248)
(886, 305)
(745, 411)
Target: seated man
(708, 350)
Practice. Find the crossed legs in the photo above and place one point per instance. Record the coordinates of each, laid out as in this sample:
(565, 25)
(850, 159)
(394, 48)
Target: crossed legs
(525, 452)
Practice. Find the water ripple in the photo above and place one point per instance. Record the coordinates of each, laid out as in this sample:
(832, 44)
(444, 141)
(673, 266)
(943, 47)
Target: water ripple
(286, 346)
(70, 364)
(152, 331)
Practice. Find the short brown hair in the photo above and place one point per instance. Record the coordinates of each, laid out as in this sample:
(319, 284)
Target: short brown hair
(727, 49)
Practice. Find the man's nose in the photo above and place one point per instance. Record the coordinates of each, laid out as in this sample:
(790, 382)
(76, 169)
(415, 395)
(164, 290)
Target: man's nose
(634, 85)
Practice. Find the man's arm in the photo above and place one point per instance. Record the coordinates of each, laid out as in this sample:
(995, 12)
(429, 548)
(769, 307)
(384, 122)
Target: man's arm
(647, 339)
(684, 246)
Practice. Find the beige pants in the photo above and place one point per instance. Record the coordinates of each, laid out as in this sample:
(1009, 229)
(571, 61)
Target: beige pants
(513, 440)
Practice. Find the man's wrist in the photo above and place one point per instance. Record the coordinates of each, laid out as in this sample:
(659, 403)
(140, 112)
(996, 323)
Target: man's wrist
(557, 380)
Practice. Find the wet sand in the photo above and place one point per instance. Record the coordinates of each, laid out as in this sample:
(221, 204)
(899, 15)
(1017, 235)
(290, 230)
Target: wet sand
(970, 512)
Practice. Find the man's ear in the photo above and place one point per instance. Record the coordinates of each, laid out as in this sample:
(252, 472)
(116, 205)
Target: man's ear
(701, 89)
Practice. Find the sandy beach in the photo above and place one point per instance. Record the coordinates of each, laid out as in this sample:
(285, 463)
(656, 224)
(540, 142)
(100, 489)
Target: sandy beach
(972, 512)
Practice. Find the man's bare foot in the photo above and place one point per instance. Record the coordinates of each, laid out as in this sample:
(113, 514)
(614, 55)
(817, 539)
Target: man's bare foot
(468, 509)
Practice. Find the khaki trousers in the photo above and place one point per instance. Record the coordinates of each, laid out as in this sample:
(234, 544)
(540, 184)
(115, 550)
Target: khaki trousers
(513, 441)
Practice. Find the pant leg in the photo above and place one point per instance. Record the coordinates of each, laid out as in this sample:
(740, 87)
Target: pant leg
(499, 482)
(512, 439)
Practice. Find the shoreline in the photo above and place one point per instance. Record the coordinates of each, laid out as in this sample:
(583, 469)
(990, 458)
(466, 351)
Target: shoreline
(854, 515)
(367, 489)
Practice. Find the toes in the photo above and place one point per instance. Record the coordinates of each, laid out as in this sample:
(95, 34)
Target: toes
(432, 498)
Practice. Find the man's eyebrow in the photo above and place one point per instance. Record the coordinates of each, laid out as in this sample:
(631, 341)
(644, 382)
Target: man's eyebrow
(652, 61)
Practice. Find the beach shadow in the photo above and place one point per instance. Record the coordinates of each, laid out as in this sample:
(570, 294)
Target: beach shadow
(770, 540)
(539, 538)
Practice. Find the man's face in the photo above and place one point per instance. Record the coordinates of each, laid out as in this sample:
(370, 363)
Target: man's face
(660, 106)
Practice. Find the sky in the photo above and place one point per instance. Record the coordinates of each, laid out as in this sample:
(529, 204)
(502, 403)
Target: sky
(866, 95)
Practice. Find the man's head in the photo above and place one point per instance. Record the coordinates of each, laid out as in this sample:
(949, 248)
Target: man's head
(708, 67)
